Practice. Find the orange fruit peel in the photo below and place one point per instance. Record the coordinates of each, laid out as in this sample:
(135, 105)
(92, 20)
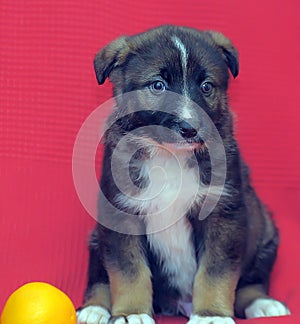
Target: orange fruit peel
(38, 303)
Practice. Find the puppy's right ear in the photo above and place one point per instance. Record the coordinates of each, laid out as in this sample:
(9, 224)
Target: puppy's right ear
(228, 51)
(110, 57)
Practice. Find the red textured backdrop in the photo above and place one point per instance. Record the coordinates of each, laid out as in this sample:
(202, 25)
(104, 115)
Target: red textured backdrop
(48, 88)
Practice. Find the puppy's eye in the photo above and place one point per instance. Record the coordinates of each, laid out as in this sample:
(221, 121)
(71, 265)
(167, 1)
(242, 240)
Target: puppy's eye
(206, 88)
(157, 87)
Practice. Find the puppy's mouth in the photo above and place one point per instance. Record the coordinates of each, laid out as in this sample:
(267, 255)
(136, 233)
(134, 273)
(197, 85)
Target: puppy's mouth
(182, 146)
(173, 140)
(171, 146)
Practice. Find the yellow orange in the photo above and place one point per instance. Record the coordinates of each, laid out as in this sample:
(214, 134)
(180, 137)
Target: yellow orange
(38, 303)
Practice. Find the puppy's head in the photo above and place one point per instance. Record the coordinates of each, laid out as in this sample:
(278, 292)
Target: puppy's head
(192, 65)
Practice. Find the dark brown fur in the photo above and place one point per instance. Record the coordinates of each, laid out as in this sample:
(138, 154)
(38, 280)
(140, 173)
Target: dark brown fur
(235, 246)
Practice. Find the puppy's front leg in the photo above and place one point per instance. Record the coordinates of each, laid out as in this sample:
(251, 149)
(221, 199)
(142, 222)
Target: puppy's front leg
(213, 297)
(217, 277)
(130, 283)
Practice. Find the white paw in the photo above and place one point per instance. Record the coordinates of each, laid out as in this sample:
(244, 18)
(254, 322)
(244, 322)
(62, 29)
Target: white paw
(93, 315)
(196, 319)
(140, 319)
(136, 319)
(264, 307)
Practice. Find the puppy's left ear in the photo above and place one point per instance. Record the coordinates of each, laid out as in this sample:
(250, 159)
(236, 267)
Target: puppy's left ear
(111, 56)
(228, 51)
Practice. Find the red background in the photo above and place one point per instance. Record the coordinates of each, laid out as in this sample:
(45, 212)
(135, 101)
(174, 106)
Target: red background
(48, 88)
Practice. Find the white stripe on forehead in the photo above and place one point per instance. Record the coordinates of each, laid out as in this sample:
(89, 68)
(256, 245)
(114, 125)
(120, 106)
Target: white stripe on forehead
(184, 59)
(178, 43)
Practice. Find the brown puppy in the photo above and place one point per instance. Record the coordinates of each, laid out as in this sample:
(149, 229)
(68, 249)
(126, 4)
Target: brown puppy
(179, 221)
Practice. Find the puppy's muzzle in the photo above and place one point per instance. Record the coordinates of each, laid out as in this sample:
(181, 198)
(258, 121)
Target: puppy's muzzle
(161, 126)
(183, 130)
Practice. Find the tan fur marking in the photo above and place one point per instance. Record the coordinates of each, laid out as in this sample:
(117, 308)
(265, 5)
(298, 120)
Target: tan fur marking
(100, 296)
(214, 295)
(222, 40)
(131, 296)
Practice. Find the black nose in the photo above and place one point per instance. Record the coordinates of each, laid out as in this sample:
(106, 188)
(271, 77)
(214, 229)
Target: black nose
(186, 130)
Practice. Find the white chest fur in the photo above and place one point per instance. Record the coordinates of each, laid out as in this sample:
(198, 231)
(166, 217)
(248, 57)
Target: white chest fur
(176, 186)
(175, 249)
(173, 188)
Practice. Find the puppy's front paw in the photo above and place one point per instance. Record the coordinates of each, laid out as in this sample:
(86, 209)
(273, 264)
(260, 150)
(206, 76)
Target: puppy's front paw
(132, 319)
(266, 307)
(93, 315)
(196, 319)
